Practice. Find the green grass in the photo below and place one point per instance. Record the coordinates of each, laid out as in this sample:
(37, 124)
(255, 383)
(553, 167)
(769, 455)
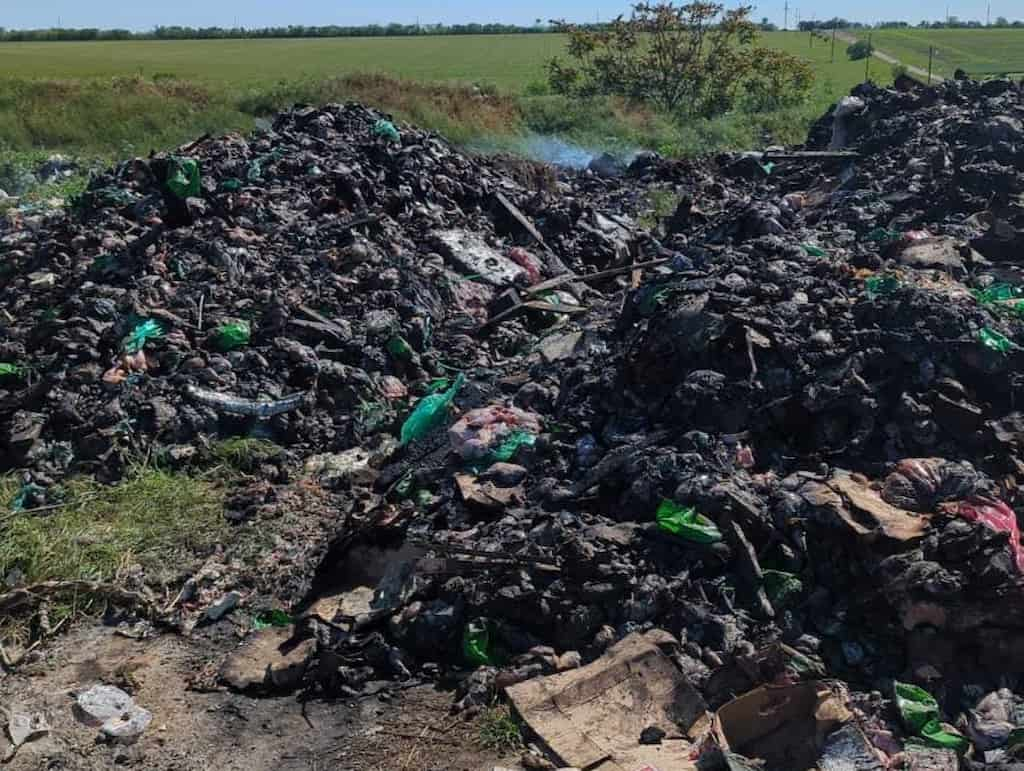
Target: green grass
(500, 731)
(976, 51)
(153, 518)
(243, 454)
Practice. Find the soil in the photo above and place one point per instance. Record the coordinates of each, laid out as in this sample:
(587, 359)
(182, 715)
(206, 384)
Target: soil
(194, 730)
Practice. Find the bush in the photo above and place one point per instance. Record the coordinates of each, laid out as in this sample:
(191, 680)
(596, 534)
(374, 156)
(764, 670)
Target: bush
(694, 59)
(862, 49)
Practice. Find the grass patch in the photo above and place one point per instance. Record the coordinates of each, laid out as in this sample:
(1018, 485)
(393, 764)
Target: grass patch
(660, 204)
(153, 518)
(245, 454)
(500, 731)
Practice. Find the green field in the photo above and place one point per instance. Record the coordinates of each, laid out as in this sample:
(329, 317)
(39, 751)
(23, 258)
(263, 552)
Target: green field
(978, 52)
(510, 62)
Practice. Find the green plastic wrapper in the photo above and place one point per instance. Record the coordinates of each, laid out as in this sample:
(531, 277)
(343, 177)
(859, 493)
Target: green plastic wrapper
(510, 444)
(883, 235)
(686, 523)
(399, 348)
(136, 341)
(997, 293)
(28, 490)
(231, 185)
(920, 713)
(994, 340)
(814, 251)
(386, 129)
(9, 370)
(782, 588)
(877, 286)
(476, 643)
(429, 413)
(183, 177)
(234, 335)
(276, 618)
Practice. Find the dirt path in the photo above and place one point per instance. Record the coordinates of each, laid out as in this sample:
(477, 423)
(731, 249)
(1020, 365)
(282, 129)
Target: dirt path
(194, 730)
(848, 37)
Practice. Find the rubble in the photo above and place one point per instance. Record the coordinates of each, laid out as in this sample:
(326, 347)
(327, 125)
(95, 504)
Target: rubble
(770, 448)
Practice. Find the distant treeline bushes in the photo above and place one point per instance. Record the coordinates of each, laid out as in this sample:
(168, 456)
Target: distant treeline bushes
(223, 33)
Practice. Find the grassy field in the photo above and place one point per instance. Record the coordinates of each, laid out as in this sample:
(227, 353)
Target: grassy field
(510, 62)
(976, 51)
(113, 99)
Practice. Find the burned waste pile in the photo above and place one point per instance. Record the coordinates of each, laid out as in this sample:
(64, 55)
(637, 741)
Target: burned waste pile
(765, 451)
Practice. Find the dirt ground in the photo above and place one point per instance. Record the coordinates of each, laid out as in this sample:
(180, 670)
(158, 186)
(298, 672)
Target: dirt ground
(192, 730)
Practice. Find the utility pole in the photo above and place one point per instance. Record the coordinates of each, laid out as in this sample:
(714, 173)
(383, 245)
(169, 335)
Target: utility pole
(785, 24)
(988, 15)
(867, 62)
(833, 44)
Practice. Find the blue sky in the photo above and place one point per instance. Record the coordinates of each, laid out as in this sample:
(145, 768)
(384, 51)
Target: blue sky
(144, 14)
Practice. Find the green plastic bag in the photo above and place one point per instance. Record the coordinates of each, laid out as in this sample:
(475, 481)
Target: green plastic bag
(880, 285)
(231, 184)
(9, 370)
(399, 348)
(814, 251)
(883, 235)
(686, 523)
(994, 340)
(476, 643)
(768, 167)
(920, 713)
(386, 129)
(510, 444)
(782, 588)
(27, 491)
(429, 413)
(183, 177)
(136, 341)
(228, 337)
(997, 293)
(276, 618)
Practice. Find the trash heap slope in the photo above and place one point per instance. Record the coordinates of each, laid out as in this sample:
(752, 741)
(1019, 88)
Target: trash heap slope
(785, 453)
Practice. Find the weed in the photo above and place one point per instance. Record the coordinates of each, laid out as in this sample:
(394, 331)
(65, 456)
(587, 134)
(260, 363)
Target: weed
(245, 454)
(660, 204)
(500, 731)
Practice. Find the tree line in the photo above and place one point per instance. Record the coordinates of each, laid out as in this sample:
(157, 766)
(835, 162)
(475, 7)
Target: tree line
(239, 33)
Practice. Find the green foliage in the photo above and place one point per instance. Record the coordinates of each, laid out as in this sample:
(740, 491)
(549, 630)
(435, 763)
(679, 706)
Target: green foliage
(500, 731)
(692, 59)
(860, 50)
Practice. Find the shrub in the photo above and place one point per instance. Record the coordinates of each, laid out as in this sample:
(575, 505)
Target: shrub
(862, 49)
(694, 59)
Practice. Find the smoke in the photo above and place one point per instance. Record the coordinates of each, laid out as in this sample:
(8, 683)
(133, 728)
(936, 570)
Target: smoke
(557, 151)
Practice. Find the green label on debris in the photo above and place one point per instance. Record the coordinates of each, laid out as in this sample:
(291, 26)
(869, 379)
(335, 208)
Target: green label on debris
(9, 370)
(686, 523)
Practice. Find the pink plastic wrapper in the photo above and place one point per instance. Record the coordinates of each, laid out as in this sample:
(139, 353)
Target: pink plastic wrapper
(916, 235)
(527, 262)
(997, 516)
